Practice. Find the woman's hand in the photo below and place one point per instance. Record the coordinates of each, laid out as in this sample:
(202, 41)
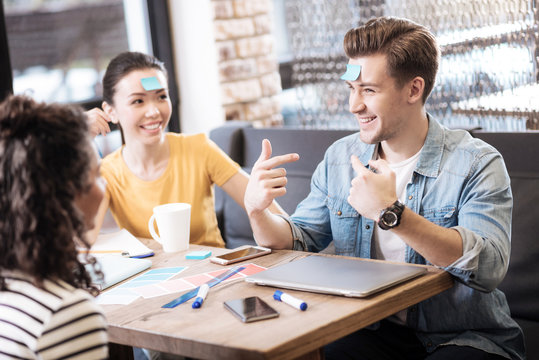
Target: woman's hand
(98, 122)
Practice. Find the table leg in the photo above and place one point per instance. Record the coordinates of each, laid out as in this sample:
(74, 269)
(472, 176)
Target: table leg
(120, 352)
(317, 354)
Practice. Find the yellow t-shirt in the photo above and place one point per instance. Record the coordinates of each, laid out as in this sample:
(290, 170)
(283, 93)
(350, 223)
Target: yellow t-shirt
(195, 164)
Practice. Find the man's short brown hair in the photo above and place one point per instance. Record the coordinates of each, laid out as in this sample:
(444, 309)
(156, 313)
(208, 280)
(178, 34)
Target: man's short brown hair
(410, 49)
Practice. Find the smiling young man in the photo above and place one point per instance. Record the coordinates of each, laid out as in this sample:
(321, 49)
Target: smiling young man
(406, 189)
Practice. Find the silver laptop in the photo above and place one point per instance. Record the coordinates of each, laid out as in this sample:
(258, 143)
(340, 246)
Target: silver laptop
(336, 275)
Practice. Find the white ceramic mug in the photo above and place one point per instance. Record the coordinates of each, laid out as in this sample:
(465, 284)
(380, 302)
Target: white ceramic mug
(173, 223)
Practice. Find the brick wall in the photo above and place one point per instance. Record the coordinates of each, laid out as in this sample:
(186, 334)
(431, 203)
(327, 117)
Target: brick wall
(248, 68)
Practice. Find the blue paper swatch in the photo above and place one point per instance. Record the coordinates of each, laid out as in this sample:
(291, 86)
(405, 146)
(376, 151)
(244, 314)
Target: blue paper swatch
(199, 255)
(352, 72)
(151, 83)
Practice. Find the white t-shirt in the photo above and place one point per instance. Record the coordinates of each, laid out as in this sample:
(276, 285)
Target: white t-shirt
(387, 245)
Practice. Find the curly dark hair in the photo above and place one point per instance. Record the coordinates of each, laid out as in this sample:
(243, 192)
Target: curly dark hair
(45, 162)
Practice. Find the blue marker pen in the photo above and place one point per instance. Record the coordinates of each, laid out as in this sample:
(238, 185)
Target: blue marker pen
(290, 300)
(201, 295)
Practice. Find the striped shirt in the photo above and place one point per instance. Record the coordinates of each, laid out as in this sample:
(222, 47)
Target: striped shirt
(57, 322)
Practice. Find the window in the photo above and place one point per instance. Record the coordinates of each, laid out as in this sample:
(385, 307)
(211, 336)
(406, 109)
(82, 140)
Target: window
(59, 49)
(488, 75)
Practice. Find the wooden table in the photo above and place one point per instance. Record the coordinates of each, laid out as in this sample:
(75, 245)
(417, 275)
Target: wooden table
(212, 332)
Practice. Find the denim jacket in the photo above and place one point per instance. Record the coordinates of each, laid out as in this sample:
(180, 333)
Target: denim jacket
(459, 182)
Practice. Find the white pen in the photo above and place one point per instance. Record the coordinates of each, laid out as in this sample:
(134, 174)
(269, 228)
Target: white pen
(290, 300)
(201, 295)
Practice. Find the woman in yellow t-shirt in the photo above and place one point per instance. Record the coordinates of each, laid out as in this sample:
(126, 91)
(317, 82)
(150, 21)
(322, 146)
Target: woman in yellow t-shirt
(154, 167)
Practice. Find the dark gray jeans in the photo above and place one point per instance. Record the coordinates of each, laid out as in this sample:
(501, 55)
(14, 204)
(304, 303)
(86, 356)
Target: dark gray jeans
(393, 342)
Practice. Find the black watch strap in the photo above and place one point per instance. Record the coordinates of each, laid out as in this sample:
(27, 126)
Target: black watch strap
(391, 216)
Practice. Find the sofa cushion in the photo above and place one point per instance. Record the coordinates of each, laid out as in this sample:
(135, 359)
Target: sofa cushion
(531, 334)
(521, 283)
(230, 139)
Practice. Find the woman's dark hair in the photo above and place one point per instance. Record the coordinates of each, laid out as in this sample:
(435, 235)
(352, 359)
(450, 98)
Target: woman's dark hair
(45, 161)
(410, 49)
(122, 65)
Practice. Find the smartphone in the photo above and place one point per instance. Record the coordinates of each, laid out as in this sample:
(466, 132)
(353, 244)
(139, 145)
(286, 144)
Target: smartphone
(251, 309)
(240, 255)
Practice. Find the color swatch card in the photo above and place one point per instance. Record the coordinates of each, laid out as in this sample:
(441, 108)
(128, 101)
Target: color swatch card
(156, 282)
(191, 282)
(153, 276)
(124, 295)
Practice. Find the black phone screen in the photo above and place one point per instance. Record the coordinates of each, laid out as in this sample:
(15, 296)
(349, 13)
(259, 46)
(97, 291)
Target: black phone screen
(251, 309)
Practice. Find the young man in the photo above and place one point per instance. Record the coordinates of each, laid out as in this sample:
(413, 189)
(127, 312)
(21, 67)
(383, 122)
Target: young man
(406, 189)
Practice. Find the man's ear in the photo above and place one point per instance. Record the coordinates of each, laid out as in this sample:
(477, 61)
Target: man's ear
(416, 89)
(109, 110)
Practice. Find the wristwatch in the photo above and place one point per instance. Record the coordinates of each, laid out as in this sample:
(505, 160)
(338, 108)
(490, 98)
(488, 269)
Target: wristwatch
(391, 216)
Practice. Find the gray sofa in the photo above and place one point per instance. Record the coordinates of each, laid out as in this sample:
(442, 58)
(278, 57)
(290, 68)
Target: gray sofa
(521, 284)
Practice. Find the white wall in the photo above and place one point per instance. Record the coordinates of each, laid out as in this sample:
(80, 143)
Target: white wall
(196, 65)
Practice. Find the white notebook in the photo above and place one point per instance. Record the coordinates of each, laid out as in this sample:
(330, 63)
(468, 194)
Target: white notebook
(120, 242)
(116, 269)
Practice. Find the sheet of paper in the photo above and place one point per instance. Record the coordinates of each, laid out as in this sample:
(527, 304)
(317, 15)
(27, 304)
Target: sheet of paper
(119, 242)
(117, 296)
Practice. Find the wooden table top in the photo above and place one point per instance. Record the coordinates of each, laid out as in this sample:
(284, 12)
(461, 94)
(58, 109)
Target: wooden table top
(213, 332)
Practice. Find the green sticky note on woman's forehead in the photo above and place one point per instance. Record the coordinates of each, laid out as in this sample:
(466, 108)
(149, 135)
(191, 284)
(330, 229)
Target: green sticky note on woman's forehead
(352, 72)
(151, 83)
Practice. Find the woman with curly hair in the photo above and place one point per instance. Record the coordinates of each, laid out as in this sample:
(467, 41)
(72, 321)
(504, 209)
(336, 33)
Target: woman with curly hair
(50, 191)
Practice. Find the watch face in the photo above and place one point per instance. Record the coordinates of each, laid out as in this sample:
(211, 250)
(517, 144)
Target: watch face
(390, 218)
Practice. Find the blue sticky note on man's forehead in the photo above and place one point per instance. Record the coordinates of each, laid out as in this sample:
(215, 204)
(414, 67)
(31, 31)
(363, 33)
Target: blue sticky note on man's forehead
(352, 72)
(151, 83)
